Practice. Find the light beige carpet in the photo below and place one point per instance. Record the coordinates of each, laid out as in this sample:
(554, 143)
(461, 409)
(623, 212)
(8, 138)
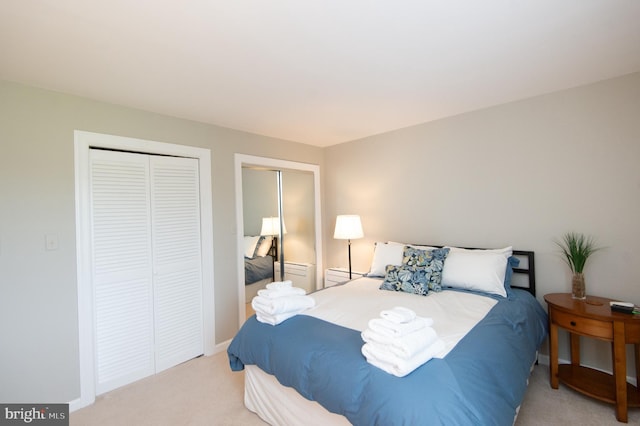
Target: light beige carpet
(204, 391)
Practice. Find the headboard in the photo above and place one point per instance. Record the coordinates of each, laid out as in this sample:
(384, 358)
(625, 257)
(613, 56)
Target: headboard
(524, 276)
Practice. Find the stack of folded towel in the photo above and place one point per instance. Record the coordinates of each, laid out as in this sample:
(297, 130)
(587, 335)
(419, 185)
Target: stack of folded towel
(400, 341)
(280, 301)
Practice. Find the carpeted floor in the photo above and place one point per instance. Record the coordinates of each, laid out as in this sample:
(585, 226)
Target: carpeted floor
(204, 391)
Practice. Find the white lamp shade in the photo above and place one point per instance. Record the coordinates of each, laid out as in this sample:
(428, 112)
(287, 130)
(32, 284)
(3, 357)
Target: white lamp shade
(348, 227)
(271, 226)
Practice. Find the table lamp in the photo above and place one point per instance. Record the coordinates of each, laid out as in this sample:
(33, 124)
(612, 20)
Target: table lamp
(348, 227)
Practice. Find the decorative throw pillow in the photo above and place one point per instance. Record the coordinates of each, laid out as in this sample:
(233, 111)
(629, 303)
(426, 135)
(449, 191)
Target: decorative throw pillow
(408, 279)
(432, 260)
(413, 256)
(420, 273)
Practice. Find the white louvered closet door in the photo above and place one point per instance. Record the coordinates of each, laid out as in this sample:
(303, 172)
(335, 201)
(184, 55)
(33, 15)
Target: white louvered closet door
(175, 206)
(122, 268)
(147, 286)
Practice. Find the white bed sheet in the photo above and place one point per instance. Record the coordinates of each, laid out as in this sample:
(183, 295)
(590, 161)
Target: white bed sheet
(353, 304)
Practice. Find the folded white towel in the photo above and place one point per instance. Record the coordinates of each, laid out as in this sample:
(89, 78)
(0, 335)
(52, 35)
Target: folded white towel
(392, 329)
(399, 315)
(282, 305)
(279, 284)
(403, 347)
(281, 292)
(396, 366)
(371, 336)
(274, 319)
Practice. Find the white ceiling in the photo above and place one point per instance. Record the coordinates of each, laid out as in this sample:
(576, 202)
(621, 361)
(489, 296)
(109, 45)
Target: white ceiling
(316, 72)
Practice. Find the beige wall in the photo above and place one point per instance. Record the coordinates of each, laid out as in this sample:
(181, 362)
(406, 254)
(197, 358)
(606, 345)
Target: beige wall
(38, 299)
(519, 174)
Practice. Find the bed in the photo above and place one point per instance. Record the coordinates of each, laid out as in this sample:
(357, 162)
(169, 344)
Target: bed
(259, 258)
(310, 369)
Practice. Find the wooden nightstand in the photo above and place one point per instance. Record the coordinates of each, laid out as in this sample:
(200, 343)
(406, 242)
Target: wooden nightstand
(333, 276)
(593, 318)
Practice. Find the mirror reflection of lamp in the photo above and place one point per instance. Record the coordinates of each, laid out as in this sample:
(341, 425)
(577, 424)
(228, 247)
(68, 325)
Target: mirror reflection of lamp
(271, 227)
(348, 227)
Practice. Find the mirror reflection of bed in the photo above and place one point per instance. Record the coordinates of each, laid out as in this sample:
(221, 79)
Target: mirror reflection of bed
(262, 248)
(259, 261)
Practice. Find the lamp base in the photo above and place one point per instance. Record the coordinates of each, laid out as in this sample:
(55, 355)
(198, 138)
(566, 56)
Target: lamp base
(349, 244)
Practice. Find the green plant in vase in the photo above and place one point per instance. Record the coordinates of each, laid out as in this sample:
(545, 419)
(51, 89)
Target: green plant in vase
(576, 250)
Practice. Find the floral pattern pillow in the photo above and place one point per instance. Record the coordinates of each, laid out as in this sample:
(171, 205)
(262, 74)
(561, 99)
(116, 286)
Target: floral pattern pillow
(415, 257)
(420, 272)
(406, 278)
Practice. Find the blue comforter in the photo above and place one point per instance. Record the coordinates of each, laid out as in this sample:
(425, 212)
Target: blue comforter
(480, 382)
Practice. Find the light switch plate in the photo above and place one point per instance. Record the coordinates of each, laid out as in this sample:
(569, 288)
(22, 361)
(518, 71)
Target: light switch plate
(51, 242)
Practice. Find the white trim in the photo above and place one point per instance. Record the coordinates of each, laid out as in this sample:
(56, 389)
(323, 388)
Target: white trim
(251, 160)
(83, 141)
(222, 346)
(543, 359)
(75, 405)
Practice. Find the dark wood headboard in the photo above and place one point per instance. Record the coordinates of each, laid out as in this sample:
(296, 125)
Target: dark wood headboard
(526, 270)
(524, 276)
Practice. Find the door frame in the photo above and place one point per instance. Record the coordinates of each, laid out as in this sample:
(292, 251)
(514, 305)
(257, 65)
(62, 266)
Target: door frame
(83, 141)
(276, 164)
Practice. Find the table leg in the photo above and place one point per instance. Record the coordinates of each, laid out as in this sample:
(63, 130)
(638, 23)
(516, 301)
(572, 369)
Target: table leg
(620, 370)
(575, 349)
(637, 356)
(553, 355)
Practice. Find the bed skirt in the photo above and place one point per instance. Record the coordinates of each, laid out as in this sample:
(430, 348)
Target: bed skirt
(281, 405)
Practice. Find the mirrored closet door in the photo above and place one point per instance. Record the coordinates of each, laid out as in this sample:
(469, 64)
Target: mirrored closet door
(280, 225)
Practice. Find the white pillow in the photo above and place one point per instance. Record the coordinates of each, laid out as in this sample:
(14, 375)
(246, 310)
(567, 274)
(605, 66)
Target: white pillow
(479, 270)
(414, 246)
(264, 247)
(385, 254)
(507, 250)
(250, 245)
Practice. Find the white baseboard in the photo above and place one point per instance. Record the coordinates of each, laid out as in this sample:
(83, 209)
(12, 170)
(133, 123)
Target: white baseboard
(221, 346)
(543, 359)
(76, 404)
